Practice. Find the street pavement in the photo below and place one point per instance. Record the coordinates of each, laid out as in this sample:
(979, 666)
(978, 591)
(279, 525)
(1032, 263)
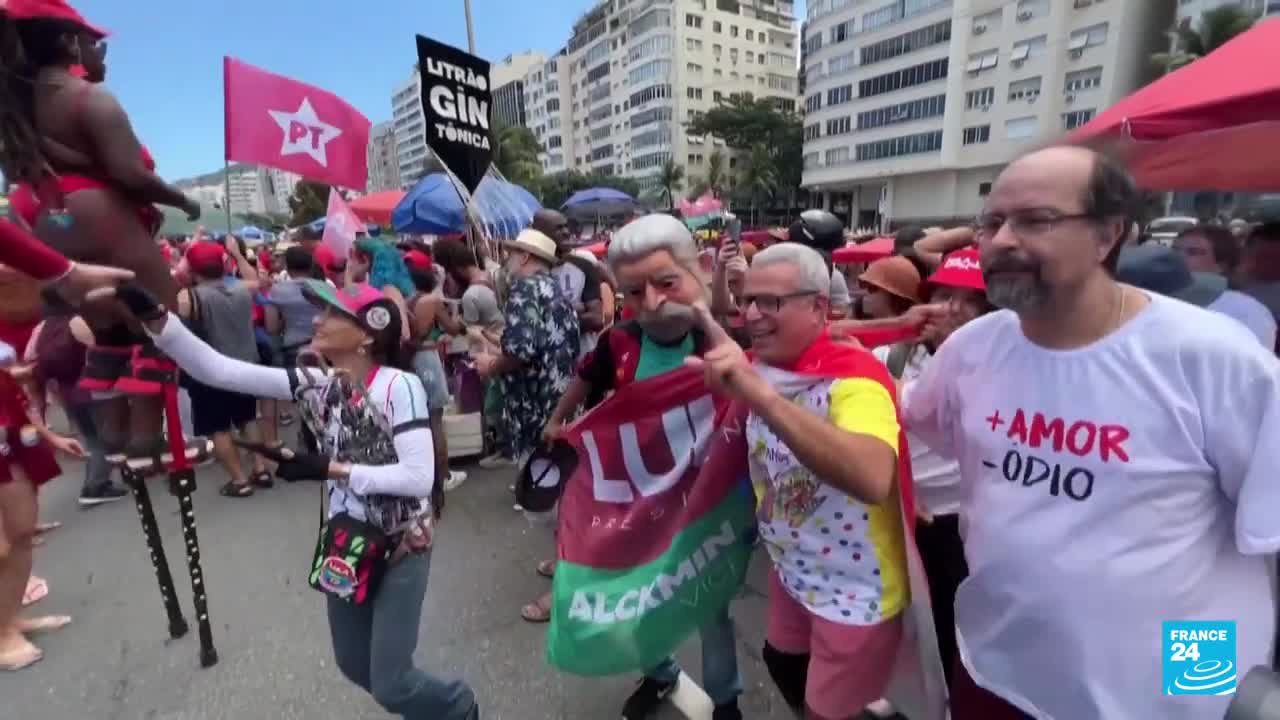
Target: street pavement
(116, 662)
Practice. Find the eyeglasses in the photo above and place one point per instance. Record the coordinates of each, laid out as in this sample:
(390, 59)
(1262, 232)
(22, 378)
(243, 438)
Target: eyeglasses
(771, 304)
(1026, 224)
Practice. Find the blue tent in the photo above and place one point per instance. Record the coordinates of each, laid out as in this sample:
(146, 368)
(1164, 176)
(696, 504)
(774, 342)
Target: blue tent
(433, 207)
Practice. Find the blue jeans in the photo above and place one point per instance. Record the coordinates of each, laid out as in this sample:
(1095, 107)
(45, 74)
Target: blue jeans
(374, 643)
(97, 471)
(720, 678)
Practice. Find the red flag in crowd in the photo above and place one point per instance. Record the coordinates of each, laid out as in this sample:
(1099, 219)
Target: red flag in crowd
(282, 123)
(340, 225)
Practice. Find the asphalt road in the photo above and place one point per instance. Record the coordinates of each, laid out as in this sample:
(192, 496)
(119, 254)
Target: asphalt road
(116, 663)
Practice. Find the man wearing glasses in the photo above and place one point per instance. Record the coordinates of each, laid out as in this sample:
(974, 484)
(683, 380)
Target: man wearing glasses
(1117, 451)
(824, 441)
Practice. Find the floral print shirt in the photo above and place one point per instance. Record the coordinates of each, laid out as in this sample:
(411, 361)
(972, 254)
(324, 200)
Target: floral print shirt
(542, 332)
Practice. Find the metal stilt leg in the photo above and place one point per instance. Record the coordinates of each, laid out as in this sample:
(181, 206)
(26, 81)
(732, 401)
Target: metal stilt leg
(151, 532)
(184, 481)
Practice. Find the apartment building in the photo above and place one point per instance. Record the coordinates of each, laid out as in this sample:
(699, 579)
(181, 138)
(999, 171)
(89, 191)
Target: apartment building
(1189, 11)
(616, 98)
(912, 107)
(507, 80)
(259, 189)
(384, 165)
(410, 131)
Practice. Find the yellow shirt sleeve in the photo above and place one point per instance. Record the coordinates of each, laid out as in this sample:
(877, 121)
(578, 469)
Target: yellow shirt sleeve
(863, 406)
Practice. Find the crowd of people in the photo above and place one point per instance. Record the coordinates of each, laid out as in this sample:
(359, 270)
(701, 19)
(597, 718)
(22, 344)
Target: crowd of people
(1077, 420)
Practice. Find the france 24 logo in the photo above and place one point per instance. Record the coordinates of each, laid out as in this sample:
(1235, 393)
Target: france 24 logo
(1199, 657)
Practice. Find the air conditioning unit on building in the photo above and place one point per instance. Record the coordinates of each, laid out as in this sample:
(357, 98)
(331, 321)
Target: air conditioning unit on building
(979, 29)
(1077, 54)
(1024, 16)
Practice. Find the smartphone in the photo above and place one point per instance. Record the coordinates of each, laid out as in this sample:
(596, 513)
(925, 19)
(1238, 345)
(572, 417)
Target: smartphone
(735, 231)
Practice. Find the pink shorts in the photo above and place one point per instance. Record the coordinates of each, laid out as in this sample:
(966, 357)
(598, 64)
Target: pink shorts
(849, 665)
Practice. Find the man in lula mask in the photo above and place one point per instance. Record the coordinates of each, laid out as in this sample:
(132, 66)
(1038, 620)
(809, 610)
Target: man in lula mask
(655, 261)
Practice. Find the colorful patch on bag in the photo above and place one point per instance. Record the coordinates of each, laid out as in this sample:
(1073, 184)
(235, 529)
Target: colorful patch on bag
(337, 576)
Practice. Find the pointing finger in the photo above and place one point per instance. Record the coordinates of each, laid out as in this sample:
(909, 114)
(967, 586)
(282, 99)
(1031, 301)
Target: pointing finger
(715, 333)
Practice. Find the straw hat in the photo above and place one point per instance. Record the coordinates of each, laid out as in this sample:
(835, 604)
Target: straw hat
(535, 243)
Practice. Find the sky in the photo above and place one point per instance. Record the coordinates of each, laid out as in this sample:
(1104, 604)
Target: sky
(164, 59)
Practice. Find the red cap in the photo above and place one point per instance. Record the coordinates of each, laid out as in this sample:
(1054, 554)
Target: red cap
(49, 10)
(960, 269)
(205, 256)
(418, 260)
(326, 258)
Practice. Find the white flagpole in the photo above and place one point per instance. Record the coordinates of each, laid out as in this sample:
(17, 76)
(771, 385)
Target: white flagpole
(471, 37)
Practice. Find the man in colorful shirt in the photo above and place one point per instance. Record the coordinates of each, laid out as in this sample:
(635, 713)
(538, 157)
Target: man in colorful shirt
(824, 447)
(656, 262)
(539, 345)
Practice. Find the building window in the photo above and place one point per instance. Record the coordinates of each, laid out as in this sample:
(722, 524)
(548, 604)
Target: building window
(1029, 10)
(904, 145)
(652, 115)
(893, 47)
(813, 43)
(657, 159)
(553, 105)
(693, 45)
(780, 82)
(980, 98)
(898, 10)
(659, 45)
(1028, 89)
(693, 93)
(750, 35)
(988, 22)
(751, 57)
(1076, 118)
(902, 112)
(843, 31)
(907, 77)
(977, 134)
(693, 68)
(813, 132)
(655, 92)
(1087, 38)
(717, 96)
(836, 156)
(716, 27)
(813, 102)
(1082, 80)
(1025, 49)
(650, 71)
(984, 189)
(810, 160)
(693, 21)
(840, 125)
(716, 50)
(1019, 128)
(979, 62)
(838, 95)
(733, 31)
(717, 72)
(839, 64)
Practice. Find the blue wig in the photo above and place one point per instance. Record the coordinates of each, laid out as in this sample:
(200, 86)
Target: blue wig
(386, 266)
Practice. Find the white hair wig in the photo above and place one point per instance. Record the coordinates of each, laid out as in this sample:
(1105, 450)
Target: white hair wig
(657, 231)
(814, 276)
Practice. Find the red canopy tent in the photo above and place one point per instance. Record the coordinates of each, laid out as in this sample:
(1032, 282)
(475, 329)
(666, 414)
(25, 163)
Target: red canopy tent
(376, 207)
(1209, 125)
(869, 251)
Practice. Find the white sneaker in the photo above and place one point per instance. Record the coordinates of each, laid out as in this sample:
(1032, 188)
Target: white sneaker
(496, 461)
(456, 478)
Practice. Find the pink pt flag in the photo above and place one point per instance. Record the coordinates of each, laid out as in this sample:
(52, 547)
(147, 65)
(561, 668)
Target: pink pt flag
(340, 225)
(275, 121)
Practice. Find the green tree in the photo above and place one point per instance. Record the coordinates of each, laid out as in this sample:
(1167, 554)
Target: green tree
(555, 188)
(310, 200)
(758, 178)
(716, 181)
(744, 123)
(1216, 27)
(515, 154)
(671, 179)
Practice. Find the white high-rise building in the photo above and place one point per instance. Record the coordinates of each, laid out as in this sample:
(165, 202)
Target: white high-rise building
(617, 97)
(912, 107)
(384, 166)
(412, 155)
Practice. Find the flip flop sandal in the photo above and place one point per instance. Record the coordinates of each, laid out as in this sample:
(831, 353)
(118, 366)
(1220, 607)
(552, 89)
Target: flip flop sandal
(233, 490)
(547, 568)
(536, 611)
(43, 624)
(19, 659)
(37, 590)
(263, 480)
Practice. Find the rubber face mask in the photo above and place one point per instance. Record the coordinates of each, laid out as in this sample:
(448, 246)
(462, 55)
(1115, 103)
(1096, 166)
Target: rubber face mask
(669, 323)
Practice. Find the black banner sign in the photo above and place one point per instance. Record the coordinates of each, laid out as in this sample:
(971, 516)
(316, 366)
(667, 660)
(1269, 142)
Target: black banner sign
(457, 102)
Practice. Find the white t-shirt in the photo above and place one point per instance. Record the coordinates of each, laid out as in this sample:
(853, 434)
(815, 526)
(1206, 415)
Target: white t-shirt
(936, 478)
(1248, 311)
(1143, 490)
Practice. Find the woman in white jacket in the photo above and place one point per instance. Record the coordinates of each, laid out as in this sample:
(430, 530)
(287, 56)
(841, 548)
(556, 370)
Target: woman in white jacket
(371, 421)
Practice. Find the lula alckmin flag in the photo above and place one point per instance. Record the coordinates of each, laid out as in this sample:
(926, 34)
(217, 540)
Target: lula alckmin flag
(656, 525)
